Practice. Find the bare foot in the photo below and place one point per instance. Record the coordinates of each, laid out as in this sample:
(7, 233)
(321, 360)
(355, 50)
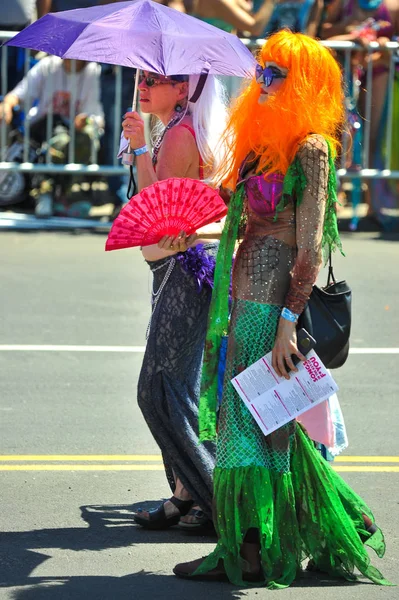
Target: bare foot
(250, 552)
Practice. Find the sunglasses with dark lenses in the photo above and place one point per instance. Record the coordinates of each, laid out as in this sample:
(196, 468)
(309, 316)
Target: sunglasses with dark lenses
(153, 79)
(268, 74)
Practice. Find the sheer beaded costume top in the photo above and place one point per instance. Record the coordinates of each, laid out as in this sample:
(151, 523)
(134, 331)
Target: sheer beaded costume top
(291, 226)
(280, 256)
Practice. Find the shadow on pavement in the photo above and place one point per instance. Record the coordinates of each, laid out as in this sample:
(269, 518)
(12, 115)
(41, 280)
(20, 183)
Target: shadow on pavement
(138, 586)
(100, 516)
(141, 586)
(110, 526)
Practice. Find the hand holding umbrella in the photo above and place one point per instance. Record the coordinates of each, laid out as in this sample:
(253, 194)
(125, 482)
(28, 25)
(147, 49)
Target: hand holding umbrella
(133, 129)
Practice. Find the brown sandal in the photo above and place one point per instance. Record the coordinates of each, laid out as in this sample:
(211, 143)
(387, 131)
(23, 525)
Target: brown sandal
(216, 574)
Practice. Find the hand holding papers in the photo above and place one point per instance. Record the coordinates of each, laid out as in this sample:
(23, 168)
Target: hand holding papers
(274, 401)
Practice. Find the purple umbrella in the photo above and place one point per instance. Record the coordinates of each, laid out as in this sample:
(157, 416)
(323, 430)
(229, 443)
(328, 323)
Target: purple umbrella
(139, 34)
(143, 35)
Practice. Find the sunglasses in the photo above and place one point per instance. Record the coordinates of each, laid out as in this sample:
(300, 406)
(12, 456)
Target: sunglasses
(154, 79)
(268, 74)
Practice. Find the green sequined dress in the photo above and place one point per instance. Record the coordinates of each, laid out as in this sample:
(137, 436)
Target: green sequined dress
(279, 484)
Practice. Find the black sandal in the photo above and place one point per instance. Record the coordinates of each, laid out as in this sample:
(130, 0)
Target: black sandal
(313, 568)
(157, 518)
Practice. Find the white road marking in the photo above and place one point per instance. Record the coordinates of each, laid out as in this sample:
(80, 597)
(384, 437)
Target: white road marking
(374, 351)
(54, 348)
(138, 349)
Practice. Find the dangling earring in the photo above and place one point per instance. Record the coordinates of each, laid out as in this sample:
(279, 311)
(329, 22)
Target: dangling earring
(178, 108)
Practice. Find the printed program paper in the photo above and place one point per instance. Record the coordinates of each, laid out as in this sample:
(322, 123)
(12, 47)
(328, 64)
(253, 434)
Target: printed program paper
(274, 401)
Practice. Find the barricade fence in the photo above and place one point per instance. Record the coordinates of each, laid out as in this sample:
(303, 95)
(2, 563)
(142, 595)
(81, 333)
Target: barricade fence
(346, 51)
(48, 166)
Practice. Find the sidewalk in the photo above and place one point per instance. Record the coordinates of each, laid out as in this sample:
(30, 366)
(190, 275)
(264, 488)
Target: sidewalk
(15, 220)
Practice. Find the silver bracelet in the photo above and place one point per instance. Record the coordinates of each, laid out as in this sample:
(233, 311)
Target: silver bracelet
(287, 314)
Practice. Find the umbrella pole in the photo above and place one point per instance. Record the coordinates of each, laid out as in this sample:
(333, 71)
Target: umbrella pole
(136, 87)
(128, 157)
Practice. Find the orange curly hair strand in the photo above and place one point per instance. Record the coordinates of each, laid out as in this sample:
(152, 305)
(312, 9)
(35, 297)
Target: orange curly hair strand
(310, 101)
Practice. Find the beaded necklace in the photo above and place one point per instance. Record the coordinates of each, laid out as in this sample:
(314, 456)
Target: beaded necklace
(175, 120)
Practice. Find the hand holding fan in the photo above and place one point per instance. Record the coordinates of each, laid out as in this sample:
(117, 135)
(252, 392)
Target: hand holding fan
(165, 208)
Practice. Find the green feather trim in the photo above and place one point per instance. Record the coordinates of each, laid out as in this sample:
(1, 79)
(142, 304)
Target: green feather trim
(218, 320)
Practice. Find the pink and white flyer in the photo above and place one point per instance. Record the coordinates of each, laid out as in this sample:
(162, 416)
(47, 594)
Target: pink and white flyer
(274, 401)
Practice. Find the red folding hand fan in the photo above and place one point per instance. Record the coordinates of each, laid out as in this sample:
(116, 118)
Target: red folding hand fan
(165, 208)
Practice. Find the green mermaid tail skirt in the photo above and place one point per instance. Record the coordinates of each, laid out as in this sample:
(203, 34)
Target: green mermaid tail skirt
(280, 484)
(308, 513)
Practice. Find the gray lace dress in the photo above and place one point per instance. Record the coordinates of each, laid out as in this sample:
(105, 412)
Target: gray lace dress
(169, 383)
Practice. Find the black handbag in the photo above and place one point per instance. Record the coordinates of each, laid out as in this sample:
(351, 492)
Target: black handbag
(327, 317)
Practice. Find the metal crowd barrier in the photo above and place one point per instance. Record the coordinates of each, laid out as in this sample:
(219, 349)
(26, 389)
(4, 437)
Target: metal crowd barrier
(345, 48)
(48, 166)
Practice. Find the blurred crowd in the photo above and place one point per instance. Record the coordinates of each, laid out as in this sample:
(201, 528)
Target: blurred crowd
(353, 20)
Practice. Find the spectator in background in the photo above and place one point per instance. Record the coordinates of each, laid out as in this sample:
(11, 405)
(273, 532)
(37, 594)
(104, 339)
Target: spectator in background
(50, 83)
(15, 16)
(363, 21)
(176, 4)
(46, 6)
(318, 17)
(117, 184)
(234, 14)
(300, 16)
(346, 21)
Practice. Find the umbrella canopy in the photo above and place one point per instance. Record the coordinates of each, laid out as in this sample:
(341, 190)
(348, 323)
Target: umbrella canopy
(139, 34)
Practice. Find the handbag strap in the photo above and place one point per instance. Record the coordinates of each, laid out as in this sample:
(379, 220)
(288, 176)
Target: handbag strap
(330, 279)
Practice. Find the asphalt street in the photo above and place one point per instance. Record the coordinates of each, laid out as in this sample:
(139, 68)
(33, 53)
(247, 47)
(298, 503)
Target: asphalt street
(76, 456)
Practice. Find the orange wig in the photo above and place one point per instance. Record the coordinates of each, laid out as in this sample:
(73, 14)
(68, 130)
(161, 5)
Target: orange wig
(310, 101)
